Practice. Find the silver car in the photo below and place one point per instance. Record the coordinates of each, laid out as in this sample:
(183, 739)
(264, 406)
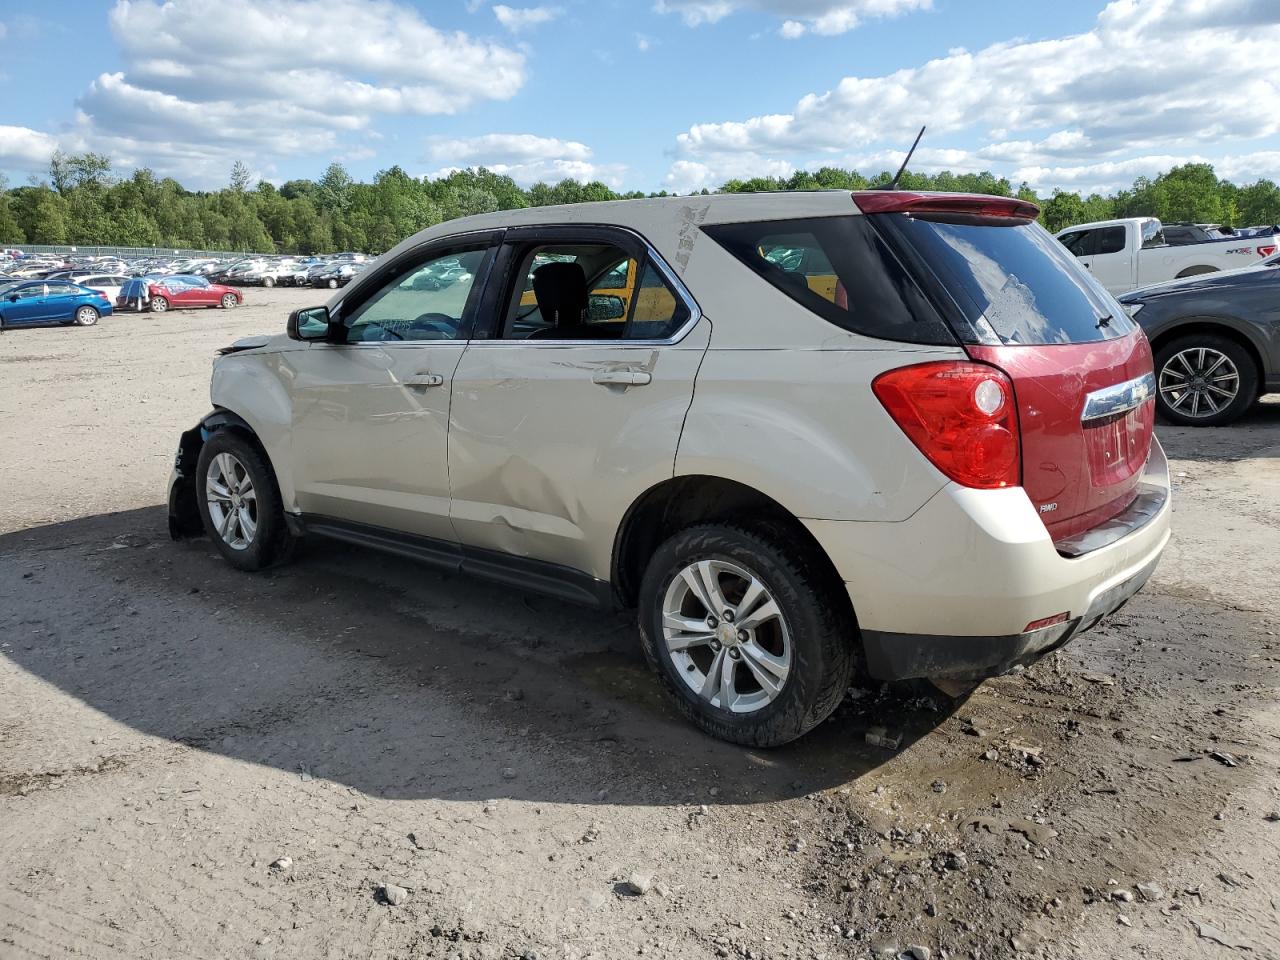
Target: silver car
(805, 436)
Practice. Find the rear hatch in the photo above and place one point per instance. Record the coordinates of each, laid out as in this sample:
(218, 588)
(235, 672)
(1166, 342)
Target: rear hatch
(1081, 368)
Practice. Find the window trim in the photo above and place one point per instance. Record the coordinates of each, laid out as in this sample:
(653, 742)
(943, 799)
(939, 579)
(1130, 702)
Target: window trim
(619, 236)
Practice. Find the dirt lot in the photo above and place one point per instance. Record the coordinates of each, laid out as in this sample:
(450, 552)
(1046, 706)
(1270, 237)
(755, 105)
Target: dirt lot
(200, 763)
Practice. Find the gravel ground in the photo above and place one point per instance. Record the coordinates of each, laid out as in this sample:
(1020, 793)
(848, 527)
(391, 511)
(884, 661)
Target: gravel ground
(355, 756)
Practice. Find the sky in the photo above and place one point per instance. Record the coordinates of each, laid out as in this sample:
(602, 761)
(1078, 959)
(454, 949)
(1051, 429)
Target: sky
(644, 94)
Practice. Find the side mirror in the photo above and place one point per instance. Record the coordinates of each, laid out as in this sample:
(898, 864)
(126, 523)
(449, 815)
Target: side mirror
(13, 298)
(602, 306)
(310, 323)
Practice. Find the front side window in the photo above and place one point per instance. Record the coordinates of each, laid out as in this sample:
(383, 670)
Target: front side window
(1078, 242)
(428, 302)
(589, 291)
(31, 293)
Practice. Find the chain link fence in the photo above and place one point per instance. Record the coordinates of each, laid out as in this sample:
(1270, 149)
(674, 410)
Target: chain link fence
(125, 252)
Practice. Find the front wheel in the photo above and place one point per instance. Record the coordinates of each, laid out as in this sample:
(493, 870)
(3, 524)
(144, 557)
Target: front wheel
(86, 317)
(268, 282)
(159, 304)
(749, 637)
(228, 301)
(1204, 380)
(333, 284)
(239, 502)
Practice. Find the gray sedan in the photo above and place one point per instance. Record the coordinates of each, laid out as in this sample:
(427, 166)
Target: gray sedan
(1216, 340)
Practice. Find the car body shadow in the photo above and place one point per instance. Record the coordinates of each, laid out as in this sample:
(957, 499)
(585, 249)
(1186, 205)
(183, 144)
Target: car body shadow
(388, 677)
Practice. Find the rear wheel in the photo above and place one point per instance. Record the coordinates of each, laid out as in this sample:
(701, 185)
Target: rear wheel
(239, 502)
(86, 316)
(746, 635)
(159, 304)
(268, 282)
(228, 301)
(333, 284)
(1204, 380)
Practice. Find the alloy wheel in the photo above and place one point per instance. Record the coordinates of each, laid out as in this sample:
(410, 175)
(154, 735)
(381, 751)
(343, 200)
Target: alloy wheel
(1199, 382)
(726, 636)
(232, 501)
(86, 316)
(228, 301)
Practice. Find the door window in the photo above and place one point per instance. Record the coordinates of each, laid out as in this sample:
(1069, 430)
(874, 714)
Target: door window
(1111, 239)
(31, 293)
(62, 289)
(429, 302)
(589, 291)
(1079, 242)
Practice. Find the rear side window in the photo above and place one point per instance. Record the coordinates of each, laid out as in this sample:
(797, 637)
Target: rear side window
(841, 269)
(1111, 239)
(1016, 278)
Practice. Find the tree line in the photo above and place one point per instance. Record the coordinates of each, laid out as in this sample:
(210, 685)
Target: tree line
(84, 202)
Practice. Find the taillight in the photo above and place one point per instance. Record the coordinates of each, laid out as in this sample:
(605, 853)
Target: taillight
(961, 415)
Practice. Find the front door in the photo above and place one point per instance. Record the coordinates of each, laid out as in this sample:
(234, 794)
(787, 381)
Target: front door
(26, 305)
(371, 407)
(572, 406)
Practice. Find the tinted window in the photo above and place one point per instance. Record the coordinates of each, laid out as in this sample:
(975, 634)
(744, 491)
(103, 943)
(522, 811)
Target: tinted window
(1111, 239)
(1017, 278)
(1078, 242)
(427, 303)
(842, 270)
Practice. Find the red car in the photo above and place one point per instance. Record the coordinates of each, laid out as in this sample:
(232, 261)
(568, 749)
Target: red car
(183, 292)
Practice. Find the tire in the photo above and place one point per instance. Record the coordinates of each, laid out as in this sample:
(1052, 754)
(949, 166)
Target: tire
(268, 282)
(159, 304)
(811, 636)
(229, 301)
(333, 284)
(250, 533)
(1228, 392)
(86, 316)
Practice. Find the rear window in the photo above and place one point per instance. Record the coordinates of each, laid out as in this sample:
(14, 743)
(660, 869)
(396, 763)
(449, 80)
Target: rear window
(1016, 279)
(840, 268)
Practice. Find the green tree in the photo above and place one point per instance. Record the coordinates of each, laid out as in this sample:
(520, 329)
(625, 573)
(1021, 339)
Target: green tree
(240, 177)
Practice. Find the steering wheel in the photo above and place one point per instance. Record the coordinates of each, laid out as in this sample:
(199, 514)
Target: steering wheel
(440, 323)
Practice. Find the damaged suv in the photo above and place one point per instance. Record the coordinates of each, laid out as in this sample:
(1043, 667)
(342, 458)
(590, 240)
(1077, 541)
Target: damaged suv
(805, 435)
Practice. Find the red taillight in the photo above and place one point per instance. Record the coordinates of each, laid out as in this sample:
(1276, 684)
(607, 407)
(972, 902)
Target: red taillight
(1266, 251)
(961, 415)
(968, 204)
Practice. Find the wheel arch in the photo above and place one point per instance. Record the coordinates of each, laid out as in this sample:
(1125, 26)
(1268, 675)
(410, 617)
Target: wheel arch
(1214, 326)
(688, 500)
(1196, 270)
(184, 515)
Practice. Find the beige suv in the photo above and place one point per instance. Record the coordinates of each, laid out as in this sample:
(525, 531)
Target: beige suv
(806, 435)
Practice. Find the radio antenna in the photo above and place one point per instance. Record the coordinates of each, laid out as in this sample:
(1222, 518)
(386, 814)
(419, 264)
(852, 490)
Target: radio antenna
(893, 184)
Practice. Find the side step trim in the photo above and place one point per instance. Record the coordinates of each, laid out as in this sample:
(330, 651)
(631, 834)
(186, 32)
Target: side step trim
(522, 573)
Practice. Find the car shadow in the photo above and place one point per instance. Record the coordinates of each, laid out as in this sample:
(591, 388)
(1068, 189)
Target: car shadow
(388, 677)
(1255, 434)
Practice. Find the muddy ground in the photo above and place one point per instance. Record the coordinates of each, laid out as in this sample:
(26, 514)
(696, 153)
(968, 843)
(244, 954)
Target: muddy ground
(200, 763)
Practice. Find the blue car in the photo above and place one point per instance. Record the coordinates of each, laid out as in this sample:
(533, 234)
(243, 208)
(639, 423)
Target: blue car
(30, 302)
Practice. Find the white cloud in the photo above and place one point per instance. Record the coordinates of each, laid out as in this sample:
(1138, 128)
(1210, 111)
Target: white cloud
(825, 17)
(516, 19)
(494, 148)
(207, 82)
(644, 42)
(24, 149)
(1162, 74)
(686, 176)
(523, 157)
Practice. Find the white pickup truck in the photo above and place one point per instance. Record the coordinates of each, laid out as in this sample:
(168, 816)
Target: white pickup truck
(1130, 253)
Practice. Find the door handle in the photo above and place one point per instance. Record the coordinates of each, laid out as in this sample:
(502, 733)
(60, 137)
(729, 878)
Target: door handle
(425, 380)
(622, 378)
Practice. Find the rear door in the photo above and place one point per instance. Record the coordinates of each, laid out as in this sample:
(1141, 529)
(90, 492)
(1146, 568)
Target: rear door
(1112, 261)
(1081, 368)
(571, 408)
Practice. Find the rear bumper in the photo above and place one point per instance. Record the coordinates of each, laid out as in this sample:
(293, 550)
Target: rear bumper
(950, 591)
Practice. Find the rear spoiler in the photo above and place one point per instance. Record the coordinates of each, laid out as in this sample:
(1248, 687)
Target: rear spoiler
(965, 204)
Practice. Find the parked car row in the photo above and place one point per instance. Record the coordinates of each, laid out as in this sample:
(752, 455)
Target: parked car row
(1208, 298)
